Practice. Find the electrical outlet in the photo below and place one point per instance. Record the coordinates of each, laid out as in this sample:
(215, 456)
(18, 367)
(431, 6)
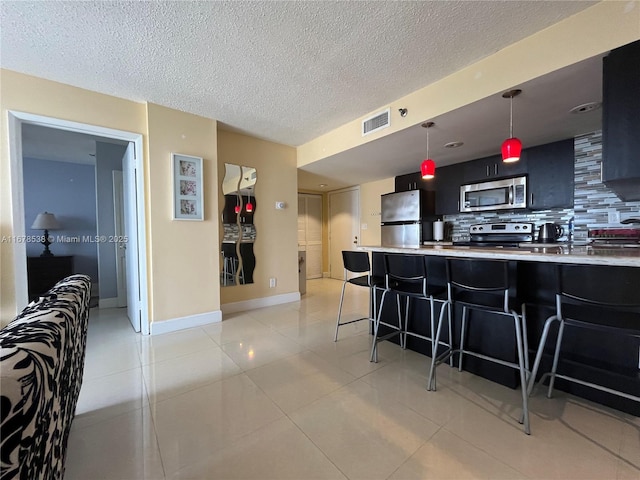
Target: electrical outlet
(613, 216)
(272, 282)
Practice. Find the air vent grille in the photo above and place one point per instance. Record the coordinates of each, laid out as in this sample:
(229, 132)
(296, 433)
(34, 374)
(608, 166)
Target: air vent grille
(376, 122)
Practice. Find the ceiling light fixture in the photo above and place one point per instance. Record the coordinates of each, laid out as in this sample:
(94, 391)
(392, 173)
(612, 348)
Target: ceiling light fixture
(453, 144)
(586, 107)
(403, 112)
(428, 166)
(512, 146)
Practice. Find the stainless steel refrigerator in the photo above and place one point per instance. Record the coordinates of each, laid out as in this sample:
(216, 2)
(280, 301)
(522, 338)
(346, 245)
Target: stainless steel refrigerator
(404, 218)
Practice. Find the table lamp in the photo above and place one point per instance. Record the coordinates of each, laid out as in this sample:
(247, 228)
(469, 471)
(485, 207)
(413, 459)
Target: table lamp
(46, 221)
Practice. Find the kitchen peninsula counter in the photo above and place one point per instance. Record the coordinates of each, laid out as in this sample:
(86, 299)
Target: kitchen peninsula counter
(561, 253)
(589, 355)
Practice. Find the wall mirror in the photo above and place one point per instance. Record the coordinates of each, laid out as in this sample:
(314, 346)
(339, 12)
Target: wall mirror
(239, 232)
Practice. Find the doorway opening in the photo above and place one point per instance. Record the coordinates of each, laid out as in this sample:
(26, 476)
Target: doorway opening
(132, 244)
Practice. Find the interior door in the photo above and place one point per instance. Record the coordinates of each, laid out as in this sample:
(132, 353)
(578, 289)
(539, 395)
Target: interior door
(310, 232)
(120, 243)
(129, 180)
(344, 227)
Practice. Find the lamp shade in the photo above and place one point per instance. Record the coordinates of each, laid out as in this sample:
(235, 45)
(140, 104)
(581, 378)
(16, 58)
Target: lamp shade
(511, 149)
(249, 207)
(46, 221)
(237, 209)
(428, 169)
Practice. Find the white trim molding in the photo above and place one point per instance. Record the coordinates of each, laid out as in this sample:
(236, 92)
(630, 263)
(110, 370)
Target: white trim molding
(260, 302)
(190, 321)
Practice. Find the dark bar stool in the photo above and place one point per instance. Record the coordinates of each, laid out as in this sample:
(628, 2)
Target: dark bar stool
(354, 263)
(406, 276)
(601, 298)
(477, 284)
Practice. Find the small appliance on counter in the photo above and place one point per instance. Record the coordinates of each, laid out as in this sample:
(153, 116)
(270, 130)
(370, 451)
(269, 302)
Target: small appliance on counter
(550, 233)
(406, 218)
(614, 237)
(498, 235)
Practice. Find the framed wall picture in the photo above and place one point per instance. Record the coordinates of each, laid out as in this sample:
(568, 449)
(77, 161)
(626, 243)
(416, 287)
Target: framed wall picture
(187, 187)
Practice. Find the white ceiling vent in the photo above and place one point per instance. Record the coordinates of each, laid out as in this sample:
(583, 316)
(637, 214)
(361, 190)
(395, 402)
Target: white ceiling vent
(376, 122)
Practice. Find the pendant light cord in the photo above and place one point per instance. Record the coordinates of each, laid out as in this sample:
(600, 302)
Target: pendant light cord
(511, 116)
(427, 142)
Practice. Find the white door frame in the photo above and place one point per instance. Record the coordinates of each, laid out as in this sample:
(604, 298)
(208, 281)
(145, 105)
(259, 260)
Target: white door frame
(15, 121)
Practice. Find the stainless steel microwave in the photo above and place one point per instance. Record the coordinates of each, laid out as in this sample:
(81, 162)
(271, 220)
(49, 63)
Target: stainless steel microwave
(505, 194)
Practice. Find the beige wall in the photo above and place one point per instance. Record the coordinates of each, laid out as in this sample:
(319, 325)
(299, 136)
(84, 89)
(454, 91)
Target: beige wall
(600, 28)
(181, 265)
(370, 209)
(276, 246)
(28, 94)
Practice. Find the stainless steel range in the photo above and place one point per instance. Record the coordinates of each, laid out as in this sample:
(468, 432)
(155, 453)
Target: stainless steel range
(509, 234)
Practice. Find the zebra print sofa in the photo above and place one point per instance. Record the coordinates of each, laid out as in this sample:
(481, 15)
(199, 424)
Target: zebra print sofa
(41, 364)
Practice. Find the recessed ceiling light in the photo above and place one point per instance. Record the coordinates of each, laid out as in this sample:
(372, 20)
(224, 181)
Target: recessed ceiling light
(453, 144)
(586, 107)
(322, 185)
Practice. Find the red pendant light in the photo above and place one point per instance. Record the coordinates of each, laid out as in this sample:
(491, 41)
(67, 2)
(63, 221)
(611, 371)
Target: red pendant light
(512, 146)
(428, 166)
(237, 209)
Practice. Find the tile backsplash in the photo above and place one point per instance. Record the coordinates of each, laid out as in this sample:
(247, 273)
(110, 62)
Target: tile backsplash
(594, 203)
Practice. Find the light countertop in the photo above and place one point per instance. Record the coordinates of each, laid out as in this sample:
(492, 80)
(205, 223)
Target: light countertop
(561, 253)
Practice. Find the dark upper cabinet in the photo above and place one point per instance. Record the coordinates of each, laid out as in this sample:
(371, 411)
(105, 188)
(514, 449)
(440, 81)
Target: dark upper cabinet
(410, 181)
(551, 175)
(447, 183)
(492, 167)
(621, 121)
(413, 181)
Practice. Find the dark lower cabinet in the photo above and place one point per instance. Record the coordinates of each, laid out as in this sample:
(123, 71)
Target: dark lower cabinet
(44, 272)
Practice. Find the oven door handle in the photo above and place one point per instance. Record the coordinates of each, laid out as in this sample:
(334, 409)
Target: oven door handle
(510, 194)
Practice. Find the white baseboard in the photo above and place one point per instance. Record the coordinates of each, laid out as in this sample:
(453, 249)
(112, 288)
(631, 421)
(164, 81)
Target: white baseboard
(108, 302)
(181, 323)
(260, 302)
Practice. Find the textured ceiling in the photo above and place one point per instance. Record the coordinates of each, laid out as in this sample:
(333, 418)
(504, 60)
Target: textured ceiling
(283, 71)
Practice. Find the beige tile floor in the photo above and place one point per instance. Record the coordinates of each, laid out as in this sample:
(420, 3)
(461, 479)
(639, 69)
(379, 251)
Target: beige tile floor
(267, 394)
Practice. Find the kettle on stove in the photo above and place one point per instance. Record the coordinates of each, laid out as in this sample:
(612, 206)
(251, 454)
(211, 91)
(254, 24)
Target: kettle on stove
(550, 232)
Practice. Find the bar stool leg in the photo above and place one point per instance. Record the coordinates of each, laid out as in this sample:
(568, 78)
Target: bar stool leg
(431, 383)
(403, 336)
(556, 356)
(399, 308)
(536, 363)
(344, 285)
(462, 335)
(376, 325)
(525, 340)
(523, 373)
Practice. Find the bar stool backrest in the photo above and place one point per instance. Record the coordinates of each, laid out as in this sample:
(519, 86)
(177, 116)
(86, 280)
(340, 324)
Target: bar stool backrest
(229, 250)
(405, 272)
(483, 278)
(604, 286)
(356, 262)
